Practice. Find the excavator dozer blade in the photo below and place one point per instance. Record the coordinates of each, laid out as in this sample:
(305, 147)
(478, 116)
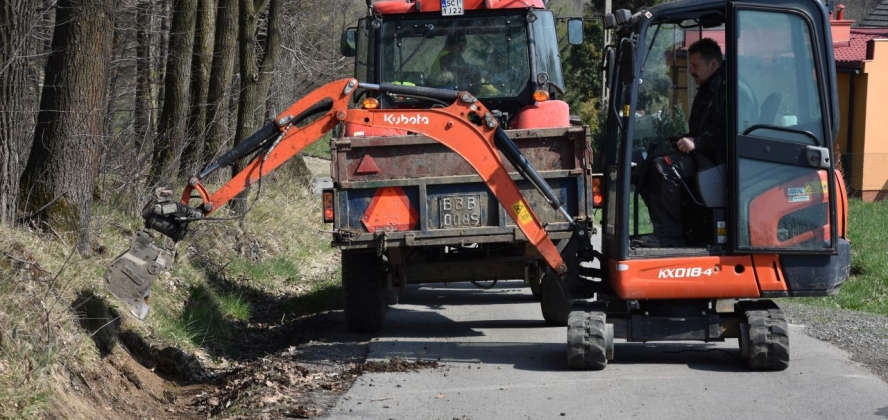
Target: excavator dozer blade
(130, 275)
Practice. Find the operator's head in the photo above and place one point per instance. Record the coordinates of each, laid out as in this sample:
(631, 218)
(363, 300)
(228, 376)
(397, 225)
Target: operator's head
(704, 58)
(455, 42)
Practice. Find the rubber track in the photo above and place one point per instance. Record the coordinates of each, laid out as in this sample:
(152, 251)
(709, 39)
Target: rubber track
(768, 338)
(586, 340)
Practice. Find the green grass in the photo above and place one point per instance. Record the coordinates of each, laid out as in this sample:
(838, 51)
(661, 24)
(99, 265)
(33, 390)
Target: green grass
(267, 272)
(320, 148)
(867, 289)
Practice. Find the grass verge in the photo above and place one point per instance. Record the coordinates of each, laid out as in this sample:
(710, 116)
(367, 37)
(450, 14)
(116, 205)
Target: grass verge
(867, 289)
(275, 265)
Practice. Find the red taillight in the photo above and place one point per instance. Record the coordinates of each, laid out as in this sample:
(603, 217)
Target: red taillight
(597, 194)
(327, 196)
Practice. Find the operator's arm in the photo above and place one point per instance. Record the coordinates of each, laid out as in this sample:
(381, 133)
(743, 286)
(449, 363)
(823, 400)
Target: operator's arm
(710, 124)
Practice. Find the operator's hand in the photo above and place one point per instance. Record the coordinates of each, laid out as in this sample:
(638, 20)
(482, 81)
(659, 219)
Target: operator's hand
(685, 144)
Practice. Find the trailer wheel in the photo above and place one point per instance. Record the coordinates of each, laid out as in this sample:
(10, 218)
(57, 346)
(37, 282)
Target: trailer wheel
(554, 304)
(363, 290)
(764, 339)
(535, 291)
(590, 340)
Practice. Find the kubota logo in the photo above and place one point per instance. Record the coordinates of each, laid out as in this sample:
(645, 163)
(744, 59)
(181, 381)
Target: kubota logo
(674, 273)
(405, 120)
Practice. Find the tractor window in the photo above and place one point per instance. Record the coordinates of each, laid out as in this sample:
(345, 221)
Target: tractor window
(487, 56)
(363, 56)
(548, 58)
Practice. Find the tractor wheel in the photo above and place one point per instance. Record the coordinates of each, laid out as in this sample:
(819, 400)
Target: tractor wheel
(764, 339)
(535, 291)
(554, 304)
(364, 291)
(590, 340)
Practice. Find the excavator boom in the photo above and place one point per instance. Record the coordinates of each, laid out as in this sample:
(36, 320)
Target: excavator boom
(465, 126)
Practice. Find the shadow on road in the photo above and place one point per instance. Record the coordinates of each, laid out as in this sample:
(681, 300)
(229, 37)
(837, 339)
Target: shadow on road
(424, 327)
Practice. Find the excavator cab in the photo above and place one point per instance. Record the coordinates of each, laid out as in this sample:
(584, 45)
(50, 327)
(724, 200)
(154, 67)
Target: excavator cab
(775, 190)
(767, 220)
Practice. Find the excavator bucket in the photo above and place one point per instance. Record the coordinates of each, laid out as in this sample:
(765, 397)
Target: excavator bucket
(130, 275)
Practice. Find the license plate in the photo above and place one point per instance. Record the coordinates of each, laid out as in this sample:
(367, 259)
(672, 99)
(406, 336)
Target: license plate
(451, 7)
(459, 211)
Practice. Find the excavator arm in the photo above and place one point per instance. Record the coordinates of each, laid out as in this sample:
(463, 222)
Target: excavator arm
(465, 126)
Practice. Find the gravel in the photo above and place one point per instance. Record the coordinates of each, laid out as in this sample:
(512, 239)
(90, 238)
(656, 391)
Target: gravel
(864, 336)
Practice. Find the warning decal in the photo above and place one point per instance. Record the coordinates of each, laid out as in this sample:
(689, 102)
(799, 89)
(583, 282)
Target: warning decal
(524, 216)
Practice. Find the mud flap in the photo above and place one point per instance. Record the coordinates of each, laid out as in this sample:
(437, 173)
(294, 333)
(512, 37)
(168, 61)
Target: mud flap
(130, 275)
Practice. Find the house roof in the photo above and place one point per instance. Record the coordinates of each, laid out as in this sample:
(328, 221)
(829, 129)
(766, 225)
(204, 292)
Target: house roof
(855, 51)
(878, 18)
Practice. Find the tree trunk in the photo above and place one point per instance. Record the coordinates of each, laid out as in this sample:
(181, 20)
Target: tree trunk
(144, 105)
(258, 56)
(18, 99)
(201, 62)
(173, 117)
(58, 182)
(221, 75)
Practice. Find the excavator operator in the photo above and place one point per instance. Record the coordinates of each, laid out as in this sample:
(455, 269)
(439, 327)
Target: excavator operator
(703, 147)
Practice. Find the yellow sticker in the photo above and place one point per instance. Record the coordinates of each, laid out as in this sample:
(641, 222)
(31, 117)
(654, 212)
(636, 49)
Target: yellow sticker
(524, 216)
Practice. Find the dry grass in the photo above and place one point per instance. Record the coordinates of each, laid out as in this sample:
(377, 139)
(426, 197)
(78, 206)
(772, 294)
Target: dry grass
(224, 268)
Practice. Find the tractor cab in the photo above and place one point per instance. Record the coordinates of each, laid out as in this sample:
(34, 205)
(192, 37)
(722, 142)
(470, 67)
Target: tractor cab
(504, 53)
(774, 188)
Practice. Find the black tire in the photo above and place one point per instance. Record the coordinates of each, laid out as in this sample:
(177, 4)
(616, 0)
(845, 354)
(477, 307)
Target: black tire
(535, 291)
(554, 304)
(364, 291)
(765, 340)
(589, 340)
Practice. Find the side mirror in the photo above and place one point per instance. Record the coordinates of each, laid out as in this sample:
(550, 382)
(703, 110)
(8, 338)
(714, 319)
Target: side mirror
(348, 41)
(575, 31)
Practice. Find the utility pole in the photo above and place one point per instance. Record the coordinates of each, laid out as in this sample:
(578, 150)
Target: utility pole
(608, 5)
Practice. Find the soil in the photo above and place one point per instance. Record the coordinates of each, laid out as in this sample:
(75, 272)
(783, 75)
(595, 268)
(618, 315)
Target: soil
(294, 370)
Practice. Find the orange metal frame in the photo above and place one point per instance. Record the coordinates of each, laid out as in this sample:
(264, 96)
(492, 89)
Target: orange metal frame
(450, 126)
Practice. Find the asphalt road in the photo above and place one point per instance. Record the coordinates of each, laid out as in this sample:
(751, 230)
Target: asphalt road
(500, 361)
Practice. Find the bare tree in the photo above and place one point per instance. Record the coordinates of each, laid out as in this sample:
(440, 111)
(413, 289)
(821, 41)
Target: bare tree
(18, 98)
(173, 116)
(58, 182)
(144, 100)
(221, 75)
(201, 63)
(259, 52)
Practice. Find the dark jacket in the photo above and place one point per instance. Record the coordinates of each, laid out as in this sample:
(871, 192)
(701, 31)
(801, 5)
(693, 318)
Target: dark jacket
(708, 119)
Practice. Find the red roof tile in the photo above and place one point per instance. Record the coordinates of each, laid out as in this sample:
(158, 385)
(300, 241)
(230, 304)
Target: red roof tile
(855, 50)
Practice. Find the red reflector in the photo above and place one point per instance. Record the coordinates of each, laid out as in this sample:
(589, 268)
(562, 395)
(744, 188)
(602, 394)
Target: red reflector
(390, 209)
(327, 196)
(367, 166)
